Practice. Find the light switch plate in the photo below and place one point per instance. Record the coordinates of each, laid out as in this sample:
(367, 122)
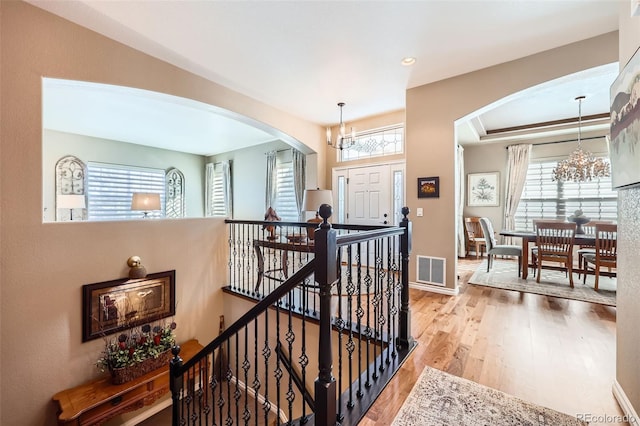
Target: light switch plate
(419, 212)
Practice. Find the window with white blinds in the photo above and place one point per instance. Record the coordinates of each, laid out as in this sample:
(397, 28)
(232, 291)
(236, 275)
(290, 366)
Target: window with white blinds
(285, 203)
(544, 199)
(218, 206)
(111, 186)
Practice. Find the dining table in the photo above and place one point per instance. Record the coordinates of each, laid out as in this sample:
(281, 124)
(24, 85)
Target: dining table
(530, 236)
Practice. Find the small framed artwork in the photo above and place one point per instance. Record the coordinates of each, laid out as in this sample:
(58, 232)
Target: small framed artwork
(112, 306)
(482, 189)
(429, 187)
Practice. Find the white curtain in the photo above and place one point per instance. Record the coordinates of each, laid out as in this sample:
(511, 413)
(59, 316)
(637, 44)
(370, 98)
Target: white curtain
(517, 165)
(270, 189)
(299, 178)
(460, 196)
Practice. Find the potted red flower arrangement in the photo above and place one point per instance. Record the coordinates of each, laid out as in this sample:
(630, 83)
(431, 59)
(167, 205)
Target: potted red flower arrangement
(137, 352)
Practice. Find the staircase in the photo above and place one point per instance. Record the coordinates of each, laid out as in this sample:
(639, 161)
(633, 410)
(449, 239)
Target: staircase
(326, 326)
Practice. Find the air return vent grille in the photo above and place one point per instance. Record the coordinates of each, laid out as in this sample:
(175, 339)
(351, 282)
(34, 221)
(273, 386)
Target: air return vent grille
(431, 270)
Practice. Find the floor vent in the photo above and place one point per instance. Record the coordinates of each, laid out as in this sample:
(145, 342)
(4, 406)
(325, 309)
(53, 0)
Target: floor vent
(431, 270)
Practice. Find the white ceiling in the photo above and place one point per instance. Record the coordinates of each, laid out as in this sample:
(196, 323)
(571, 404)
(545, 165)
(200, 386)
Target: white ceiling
(305, 56)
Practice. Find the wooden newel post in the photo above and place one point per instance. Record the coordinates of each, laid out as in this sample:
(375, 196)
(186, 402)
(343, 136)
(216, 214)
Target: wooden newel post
(175, 384)
(404, 335)
(326, 275)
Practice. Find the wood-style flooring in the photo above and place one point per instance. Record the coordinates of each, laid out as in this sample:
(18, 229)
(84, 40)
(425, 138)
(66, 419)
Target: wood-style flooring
(552, 352)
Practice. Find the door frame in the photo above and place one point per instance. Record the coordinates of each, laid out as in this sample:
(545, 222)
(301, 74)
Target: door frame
(343, 170)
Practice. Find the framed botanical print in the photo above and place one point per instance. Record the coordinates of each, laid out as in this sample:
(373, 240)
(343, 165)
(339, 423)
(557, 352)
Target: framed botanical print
(483, 189)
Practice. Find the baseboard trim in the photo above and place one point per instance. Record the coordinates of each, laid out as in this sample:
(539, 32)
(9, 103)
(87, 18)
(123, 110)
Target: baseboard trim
(434, 289)
(625, 404)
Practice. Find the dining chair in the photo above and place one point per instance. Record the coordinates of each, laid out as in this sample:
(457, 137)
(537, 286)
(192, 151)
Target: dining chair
(475, 237)
(589, 229)
(534, 248)
(494, 249)
(554, 243)
(605, 254)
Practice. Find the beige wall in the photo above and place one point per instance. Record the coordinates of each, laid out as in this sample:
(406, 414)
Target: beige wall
(628, 315)
(43, 266)
(432, 109)
(483, 159)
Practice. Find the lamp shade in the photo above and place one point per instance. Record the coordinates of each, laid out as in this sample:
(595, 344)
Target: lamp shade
(70, 201)
(314, 198)
(145, 201)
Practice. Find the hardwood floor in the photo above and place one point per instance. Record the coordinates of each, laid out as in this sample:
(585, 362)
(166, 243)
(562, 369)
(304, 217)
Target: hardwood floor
(552, 352)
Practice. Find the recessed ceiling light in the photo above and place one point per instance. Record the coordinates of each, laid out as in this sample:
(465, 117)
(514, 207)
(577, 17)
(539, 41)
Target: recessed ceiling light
(409, 60)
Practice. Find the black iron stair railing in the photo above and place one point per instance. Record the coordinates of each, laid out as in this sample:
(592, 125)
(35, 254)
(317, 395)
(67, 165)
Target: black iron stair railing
(343, 296)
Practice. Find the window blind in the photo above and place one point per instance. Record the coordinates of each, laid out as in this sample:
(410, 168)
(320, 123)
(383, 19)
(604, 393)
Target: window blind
(111, 187)
(544, 199)
(285, 193)
(217, 201)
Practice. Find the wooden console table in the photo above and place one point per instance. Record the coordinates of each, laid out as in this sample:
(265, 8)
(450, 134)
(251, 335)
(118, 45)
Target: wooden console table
(99, 400)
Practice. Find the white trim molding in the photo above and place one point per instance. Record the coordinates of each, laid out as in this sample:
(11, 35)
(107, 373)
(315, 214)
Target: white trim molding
(629, 412)
(435, 289)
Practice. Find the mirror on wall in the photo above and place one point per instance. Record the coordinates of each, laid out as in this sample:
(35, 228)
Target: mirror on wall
(102, 144)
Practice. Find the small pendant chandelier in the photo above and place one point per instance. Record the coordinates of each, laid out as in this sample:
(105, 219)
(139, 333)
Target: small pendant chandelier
(581, 166)
(342, 140)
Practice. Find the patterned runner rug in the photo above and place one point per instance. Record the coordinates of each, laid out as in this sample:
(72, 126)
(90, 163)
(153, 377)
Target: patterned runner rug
(504, 275)
(441, 399)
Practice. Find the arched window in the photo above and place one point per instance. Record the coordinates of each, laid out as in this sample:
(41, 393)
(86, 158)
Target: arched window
(174, 195)
(71, 182)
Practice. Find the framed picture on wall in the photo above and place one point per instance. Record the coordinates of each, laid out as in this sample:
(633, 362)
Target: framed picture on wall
(625, 125)
(429, 187)
(112, 306)
(483, 190)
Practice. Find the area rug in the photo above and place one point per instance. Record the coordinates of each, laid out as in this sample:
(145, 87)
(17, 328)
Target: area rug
(441, 399)
(504, 275)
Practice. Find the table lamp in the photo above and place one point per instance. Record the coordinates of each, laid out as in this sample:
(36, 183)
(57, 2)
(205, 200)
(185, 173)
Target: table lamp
(311, 202)
(70, 201)
(145, 202)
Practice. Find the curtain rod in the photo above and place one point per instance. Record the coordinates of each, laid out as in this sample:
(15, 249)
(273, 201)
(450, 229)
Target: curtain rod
(564, 141)
(281, 150)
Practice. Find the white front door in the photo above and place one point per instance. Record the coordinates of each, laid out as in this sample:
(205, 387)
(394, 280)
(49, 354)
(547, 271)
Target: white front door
(369, 196)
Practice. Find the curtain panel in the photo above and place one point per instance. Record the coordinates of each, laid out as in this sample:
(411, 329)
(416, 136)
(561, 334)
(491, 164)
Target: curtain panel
(270, 189)
(517, 165)
(299, 178)
(460, 197)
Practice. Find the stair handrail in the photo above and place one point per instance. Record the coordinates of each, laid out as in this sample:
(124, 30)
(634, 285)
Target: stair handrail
(178, 367)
